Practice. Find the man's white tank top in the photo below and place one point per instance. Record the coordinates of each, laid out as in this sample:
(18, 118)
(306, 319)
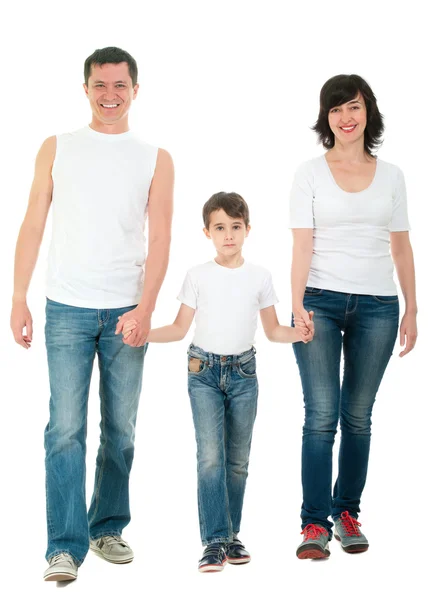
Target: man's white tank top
(101, 185)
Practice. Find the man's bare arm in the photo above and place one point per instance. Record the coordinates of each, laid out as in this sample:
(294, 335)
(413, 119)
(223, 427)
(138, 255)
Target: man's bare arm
(160, 218)
(29, 240)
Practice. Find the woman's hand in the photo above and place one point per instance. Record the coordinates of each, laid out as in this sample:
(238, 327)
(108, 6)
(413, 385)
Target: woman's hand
(303, 323)
(408, 333)
(301, 317)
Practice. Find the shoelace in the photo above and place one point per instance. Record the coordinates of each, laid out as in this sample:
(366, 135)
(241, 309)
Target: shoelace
(213, 550)
(109, 540)
(237, 542)
(349, 524)
(313, 532)
(61, 557)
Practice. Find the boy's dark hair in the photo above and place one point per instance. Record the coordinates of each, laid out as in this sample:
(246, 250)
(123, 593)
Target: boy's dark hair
(232, 203)
(111, 55)
(339, 90)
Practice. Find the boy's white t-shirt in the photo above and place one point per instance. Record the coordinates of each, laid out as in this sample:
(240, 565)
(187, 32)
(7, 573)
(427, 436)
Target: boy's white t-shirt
(227, 302)
(351, 250)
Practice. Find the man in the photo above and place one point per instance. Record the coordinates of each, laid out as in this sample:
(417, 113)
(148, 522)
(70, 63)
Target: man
(102, 182)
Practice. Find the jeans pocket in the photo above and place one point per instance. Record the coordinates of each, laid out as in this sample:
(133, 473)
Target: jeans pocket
(386, 299)
(195, 365)
(312, 291)
(248, 368)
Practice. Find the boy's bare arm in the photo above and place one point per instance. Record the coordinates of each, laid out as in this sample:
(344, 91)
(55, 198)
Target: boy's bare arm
(282, 333)
(170, 333)
(29, 240)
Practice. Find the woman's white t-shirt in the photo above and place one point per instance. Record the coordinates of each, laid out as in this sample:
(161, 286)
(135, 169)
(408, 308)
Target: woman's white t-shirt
(351, 246)
(227, 303)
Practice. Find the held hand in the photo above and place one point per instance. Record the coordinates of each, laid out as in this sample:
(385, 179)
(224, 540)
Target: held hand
(305, 333)
(301, 317)
(408, 333)
(128, 328)
(20, 318)
(138, 335)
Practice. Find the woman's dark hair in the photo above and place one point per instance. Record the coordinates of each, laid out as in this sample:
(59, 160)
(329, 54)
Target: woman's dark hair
(232, 203)
(339, 90)
(111, 55)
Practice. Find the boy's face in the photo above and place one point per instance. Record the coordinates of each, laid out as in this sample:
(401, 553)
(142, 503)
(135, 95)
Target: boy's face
(227, 233)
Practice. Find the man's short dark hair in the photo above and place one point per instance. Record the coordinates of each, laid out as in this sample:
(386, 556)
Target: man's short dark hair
(339, 90)
(111, 55)
(232, 203)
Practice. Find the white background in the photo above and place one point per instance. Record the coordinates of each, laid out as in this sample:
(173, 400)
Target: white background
(230, 89)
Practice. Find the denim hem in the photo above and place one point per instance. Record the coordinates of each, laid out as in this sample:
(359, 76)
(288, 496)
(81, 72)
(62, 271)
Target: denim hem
(100, 535)
(223, 540)
(55, 552)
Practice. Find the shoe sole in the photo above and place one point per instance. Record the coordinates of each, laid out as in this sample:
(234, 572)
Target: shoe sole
(312, 552)
(110, 560)
(353, 548)
(212, 568)
(60, 577)
(239, 561)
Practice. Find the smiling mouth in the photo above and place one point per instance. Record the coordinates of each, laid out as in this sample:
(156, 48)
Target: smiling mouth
(348, 129)
(109, 106)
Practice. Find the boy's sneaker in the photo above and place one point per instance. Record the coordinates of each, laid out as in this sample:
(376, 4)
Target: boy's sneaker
(236, 553)
(213, 558)
(347, 531)
(61, 568)
(315, 542)
(113, 549)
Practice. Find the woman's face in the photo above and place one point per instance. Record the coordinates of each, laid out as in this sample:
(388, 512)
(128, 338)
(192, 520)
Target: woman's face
(348, 120)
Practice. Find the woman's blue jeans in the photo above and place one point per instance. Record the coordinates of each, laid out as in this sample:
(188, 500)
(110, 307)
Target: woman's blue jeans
(365, 327)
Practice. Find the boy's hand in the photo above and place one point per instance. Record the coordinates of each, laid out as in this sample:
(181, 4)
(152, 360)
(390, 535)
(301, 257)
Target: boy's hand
(305, 331)
(138, 336)
(128, 328)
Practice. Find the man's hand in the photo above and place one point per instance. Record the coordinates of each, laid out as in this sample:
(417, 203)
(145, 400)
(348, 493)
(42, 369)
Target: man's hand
(20, 318)
(139, 334)
(408, 333)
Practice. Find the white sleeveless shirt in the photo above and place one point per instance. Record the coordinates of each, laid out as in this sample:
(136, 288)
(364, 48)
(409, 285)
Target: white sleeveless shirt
(101, 185)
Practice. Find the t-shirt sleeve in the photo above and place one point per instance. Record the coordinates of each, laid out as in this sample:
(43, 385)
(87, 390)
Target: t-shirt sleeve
(188, 294)
(301, 199)
(399, 219)
(267, 293)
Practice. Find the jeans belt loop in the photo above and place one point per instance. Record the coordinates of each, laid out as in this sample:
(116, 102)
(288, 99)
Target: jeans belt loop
(210, 359)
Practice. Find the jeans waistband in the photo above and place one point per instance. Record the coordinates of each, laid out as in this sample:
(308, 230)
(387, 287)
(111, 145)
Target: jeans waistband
(230, 359)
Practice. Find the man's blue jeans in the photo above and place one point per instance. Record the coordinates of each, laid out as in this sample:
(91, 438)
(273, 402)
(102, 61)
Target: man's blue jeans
(366, 327)
(223, 393)
(73, 337)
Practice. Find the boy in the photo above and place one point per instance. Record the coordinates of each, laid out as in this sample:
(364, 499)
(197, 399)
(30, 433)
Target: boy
(226, 295)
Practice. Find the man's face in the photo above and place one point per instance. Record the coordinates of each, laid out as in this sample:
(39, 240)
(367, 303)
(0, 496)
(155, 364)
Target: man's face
(227, 233)
(110, 92)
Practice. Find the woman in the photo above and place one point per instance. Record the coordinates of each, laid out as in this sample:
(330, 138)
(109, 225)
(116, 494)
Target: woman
(348, 208)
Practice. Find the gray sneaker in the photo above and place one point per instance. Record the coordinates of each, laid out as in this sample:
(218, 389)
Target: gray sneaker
(112, 548)
(315, 542)
(61, 568)
(347, 531)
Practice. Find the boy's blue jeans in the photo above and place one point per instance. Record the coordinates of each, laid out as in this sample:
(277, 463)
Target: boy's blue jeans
(366, 328)
(73, 337)
(223, 393)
